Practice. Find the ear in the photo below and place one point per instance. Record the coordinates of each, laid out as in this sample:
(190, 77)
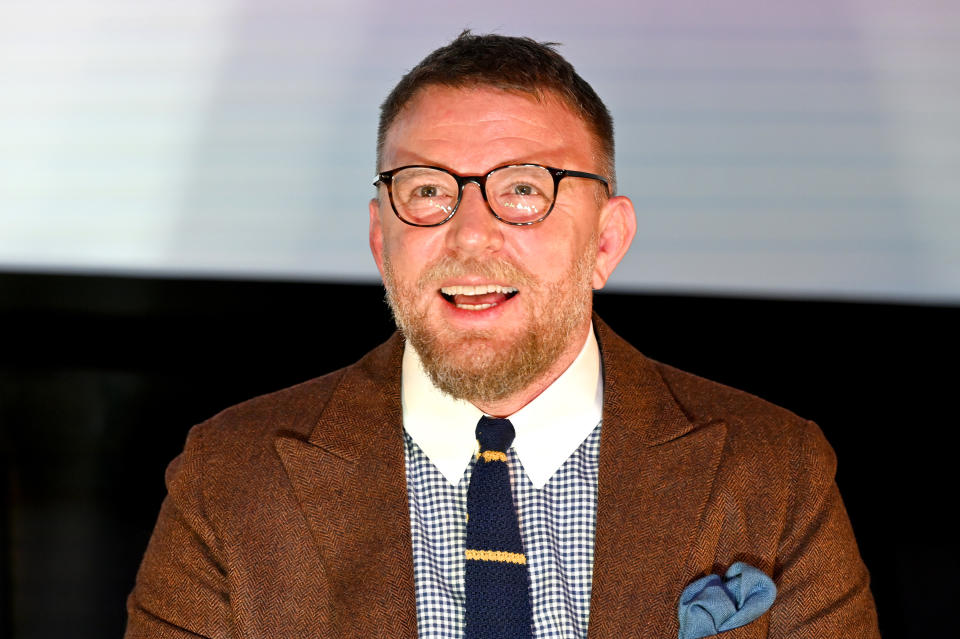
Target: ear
(618, 225)
(376, 234)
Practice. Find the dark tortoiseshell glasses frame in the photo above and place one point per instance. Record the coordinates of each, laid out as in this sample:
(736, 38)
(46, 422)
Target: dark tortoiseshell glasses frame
(386, 178)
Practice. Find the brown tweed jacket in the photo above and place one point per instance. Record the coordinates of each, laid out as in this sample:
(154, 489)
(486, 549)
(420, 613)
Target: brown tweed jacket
(287, 515)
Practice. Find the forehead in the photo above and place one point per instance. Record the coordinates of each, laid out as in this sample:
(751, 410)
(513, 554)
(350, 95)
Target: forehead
(472, 130)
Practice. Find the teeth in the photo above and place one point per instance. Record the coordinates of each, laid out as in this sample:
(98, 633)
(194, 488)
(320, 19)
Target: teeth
(473, 307)
(483, 289)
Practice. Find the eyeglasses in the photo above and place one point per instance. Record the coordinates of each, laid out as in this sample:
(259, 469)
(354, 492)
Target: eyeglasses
(517, 194)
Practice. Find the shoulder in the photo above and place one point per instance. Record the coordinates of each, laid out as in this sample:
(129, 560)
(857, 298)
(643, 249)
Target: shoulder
(239, 441)
(755, 428)
(294, 410)
(704, 400)
(230, 459)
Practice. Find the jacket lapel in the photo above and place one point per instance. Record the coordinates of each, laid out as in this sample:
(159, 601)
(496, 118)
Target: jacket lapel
(656, 472)
(349, 479)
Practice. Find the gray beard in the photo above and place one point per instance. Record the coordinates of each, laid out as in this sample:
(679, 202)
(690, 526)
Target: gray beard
(471, 366)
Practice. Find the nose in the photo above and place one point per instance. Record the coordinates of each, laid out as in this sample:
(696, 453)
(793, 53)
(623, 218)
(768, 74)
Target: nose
(473, 229)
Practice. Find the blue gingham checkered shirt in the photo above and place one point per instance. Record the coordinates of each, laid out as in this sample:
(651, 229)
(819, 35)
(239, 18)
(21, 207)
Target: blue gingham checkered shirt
(557, 523)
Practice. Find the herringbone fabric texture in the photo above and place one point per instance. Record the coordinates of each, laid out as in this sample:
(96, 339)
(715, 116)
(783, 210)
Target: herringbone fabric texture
(496, 578)
(288, 515)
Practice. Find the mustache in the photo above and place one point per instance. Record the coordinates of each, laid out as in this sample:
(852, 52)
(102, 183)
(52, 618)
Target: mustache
(499, 270)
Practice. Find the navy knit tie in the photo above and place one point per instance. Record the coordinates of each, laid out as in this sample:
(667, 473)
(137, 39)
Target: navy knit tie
(497, 581)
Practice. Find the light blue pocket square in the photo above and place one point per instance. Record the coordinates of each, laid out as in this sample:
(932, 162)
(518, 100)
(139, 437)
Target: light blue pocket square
(710, 604)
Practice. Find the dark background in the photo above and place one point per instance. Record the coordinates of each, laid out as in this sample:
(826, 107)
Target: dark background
(101, 377)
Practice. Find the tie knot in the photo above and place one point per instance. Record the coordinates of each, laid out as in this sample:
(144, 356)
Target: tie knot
(494, 434)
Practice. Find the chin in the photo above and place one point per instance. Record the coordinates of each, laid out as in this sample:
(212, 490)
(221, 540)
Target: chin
(485, 369)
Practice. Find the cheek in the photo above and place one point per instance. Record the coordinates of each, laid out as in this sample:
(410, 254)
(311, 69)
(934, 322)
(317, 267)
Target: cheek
(551, 254)
(396, 237)
(410, 249)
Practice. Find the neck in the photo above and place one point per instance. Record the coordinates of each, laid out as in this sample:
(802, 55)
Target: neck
(511, 404)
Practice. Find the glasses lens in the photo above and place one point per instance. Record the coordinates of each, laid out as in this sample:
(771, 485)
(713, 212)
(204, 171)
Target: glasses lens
(520, 194)
(423, 195)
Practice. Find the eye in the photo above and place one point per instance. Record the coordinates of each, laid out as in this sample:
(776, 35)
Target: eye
(523, 189)
(427, 190)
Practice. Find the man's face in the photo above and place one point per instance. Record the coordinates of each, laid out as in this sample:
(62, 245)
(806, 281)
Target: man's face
(492, 308)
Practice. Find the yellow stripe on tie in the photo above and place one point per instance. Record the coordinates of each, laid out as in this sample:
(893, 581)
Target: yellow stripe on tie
(493, 455)
(497, 555)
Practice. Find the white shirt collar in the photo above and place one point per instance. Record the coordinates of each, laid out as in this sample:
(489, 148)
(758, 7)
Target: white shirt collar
(549, 429)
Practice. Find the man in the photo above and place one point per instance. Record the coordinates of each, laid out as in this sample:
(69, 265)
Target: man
(352, 505)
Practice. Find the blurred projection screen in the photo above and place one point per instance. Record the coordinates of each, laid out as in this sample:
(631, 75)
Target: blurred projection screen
(770, 148)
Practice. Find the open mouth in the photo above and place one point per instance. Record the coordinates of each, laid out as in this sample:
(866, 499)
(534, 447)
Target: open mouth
(477, 298)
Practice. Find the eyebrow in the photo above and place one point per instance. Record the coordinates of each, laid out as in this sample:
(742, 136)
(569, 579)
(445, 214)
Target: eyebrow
(413, 158)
